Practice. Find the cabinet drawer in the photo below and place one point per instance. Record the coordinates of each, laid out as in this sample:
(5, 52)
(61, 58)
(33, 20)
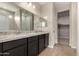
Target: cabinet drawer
(31, 39)
(12, 44)
(19, 51)
(42, 36)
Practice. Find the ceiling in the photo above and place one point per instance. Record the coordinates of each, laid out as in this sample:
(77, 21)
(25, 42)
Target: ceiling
(61, 6)
(42, 3)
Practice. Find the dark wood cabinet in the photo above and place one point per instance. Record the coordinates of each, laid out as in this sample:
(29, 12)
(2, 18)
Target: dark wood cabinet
(15, 48)
(41, 42)
(0, 49)
(12, 44)
(18, 51)
(30, 46)
(46, 40)
(33, 46)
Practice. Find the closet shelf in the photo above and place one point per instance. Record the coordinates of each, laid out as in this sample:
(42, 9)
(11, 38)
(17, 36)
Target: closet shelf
(63, 24)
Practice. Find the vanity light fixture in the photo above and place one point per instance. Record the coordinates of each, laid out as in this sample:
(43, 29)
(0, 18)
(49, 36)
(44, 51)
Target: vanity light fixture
(45, 17)
(43, 24)
(17, 18)
(30, 4)
(34, 6)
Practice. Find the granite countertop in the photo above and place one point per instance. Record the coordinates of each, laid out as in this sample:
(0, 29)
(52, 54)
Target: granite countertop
(10, 37)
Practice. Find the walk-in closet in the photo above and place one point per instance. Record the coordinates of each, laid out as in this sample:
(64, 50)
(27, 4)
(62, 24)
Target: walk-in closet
(63, 27)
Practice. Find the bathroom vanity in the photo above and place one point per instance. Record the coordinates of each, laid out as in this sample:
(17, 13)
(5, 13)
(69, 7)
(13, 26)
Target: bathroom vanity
(24, 45)
(21, 41)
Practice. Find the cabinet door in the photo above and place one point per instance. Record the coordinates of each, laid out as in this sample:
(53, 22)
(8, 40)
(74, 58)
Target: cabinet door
(46, 40)
(41, 43)
(12, 44)
(33, 46)
(0, 49)
(18, 51)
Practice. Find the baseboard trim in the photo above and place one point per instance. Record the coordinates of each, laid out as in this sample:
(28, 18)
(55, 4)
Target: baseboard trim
(50, 46)
(73, 47)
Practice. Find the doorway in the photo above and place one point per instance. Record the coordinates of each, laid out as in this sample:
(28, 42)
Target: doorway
(63, 27)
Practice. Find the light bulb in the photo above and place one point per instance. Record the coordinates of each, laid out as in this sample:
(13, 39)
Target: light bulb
(43, 24)
(17, 18)
(45, 17)
(30, 4)
(33, 6)
(10, 16)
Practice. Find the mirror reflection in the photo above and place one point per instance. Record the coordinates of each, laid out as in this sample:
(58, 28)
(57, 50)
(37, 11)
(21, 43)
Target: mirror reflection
(6, 20)
(26, 21)
(20, 20)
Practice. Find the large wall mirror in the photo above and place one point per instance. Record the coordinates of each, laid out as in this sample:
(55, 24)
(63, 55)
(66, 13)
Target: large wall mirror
(26, 21)
(19, 19)
(43, 22)
(6, 20)
(39, 23)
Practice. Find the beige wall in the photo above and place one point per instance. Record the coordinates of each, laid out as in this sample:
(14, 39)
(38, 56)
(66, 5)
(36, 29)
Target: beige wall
(78, 31)
(73, 25)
